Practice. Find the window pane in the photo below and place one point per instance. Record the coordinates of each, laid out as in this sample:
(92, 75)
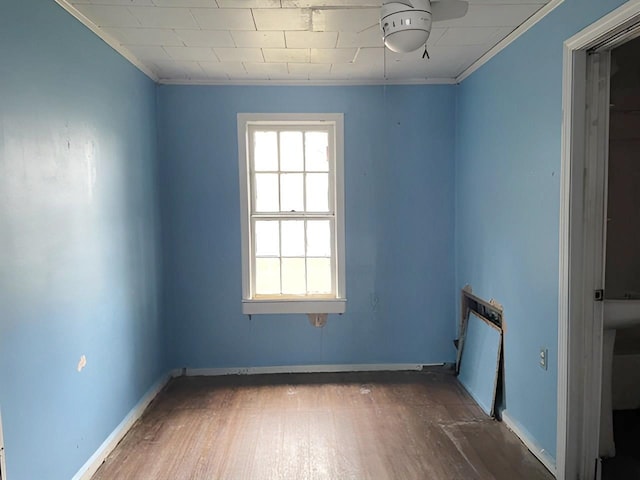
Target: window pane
(267, 276)
(265, 154)
(317, 192)
(266, 192)
(291, 196)
(267, 238)
(316, 146)
(293, 238)
(318, 275)
(293, 276)
(291, 151)
(318, 238)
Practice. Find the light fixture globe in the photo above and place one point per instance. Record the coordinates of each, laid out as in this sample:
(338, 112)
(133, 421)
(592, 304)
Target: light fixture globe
(405, 27)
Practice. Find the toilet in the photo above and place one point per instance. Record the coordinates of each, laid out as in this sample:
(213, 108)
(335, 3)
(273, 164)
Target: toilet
(620, 366)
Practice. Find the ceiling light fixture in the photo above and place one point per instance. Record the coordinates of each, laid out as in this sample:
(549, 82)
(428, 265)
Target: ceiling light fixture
(405, 25)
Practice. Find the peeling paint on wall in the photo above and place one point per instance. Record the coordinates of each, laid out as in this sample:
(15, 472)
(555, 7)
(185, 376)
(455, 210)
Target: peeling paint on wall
(82, 363)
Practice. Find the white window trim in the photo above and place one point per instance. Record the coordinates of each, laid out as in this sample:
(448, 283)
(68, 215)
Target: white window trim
(250, 305)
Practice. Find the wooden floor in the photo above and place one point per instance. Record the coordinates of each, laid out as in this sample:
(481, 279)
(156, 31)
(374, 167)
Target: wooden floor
(396, 425)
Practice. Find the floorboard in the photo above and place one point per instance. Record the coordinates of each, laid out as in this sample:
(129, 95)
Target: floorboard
(371, 425)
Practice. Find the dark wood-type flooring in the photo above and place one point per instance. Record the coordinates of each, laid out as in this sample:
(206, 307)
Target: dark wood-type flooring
(382, 425)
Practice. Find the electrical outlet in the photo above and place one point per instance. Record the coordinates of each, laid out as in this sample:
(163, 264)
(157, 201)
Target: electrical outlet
(544, 357)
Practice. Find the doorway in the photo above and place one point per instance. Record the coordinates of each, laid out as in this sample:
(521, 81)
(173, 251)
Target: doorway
(621, 337)
(586, 96)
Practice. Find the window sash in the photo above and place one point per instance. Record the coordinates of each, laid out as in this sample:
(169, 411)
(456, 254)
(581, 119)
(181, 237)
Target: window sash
(283, 215)
(331, 148)
(332, 256)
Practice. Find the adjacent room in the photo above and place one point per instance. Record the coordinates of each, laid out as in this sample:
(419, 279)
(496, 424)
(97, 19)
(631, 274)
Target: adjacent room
(263, 236)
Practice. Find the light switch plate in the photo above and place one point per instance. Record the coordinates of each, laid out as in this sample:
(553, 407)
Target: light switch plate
(544, 358)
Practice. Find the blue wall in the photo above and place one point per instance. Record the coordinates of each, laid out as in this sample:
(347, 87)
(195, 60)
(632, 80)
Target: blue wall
(507, 203)
(78, 242)
(79, 250)
(399, 228)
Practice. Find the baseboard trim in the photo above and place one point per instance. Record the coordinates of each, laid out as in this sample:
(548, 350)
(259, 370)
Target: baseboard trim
(91, 466)
(540, 453)
(365, 367)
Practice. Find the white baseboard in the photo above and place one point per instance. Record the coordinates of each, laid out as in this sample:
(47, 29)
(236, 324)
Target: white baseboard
(91, 466)
(366, 367)
(540, 453)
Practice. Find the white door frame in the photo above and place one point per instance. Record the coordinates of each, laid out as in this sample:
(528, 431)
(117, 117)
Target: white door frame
(3, 463)
(581, 253)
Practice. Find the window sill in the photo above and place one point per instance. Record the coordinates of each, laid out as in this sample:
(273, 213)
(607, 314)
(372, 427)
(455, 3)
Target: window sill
(256, 307)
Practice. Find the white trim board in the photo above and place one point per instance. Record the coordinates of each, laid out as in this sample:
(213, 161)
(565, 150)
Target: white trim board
(312, 83)
(91, 466)
(509, 39)
(540, 453)
(578, 330)
(365, 367)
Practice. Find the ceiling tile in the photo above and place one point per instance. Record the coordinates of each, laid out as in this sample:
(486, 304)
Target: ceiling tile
(191, 54)
(224, 18)
(458, 36)
(444, 62)
(368, 64)
(333, 55)
(185, 3)
(330, 3)
(371, 56)
(492, 16)
(302, 77)
(149, 54)
(305, 69)
(239, 54)
(435, 35)
(109, 16)
(163, 17)
(506, 2)
(305, 39)
(144, 36)
(286, 55)
(267, 70)
(370, 37)
(249, 3)
(128, 3)
(223, 69)
(353, 71)
(178, 70)
(259, 39)
(338, 20)
(205, 38)
(282, 19)
(311, 39)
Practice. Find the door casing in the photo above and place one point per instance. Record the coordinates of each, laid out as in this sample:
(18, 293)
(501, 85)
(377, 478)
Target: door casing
(582, 232)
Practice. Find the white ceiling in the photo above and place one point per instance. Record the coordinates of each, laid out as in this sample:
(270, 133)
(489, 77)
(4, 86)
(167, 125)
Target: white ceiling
(290, 41)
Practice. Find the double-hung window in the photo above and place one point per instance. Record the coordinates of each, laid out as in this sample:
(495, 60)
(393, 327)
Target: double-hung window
(292, 205)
